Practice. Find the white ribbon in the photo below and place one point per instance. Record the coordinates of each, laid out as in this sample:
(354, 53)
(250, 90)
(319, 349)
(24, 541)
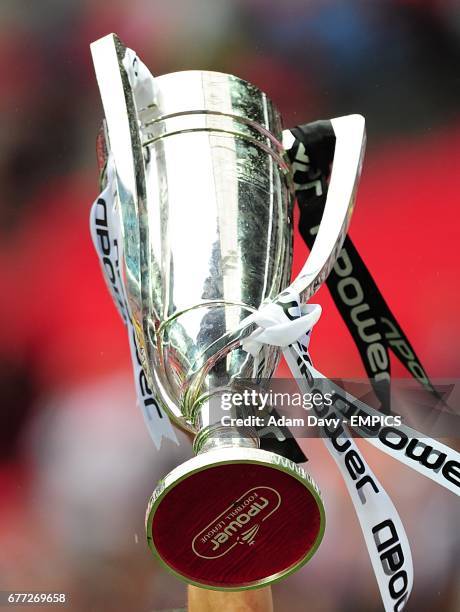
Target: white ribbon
(106, 235)
(426, 455)
(383, 531)
(384, 534)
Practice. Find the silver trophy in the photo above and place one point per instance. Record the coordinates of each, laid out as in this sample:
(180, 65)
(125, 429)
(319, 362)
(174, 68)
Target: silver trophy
(204, 192)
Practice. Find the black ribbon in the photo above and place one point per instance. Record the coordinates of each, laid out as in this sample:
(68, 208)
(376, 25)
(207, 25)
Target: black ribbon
(365, 312)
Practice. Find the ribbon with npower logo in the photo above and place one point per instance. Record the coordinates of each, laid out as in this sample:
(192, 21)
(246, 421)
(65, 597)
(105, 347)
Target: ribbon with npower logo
(383, 531)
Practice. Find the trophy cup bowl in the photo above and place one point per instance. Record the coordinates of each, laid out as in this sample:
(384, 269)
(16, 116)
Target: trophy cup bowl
(205, 200)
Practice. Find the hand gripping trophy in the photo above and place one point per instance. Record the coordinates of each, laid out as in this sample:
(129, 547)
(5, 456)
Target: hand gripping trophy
(194, 233)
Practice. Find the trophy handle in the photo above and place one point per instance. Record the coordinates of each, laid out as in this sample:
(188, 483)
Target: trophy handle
(118, 100)
(350, 144)
(123, 102)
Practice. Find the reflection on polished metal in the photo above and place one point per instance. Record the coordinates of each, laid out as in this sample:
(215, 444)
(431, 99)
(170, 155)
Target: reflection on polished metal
(207, 228)
(220, 217)
(205, 196)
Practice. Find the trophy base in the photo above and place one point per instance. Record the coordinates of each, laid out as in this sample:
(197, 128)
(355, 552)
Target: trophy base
(235, 518)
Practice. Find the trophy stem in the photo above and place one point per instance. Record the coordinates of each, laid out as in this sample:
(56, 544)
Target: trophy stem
(218, 436)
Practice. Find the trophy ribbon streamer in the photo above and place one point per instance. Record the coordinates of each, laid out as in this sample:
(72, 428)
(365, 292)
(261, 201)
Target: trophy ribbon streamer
(105, 232)
(384, 534)
(366, 314)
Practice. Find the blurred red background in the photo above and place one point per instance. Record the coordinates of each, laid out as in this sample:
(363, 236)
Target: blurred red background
(76, 463)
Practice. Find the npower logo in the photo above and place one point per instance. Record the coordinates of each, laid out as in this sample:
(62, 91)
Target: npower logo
(237, 524)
